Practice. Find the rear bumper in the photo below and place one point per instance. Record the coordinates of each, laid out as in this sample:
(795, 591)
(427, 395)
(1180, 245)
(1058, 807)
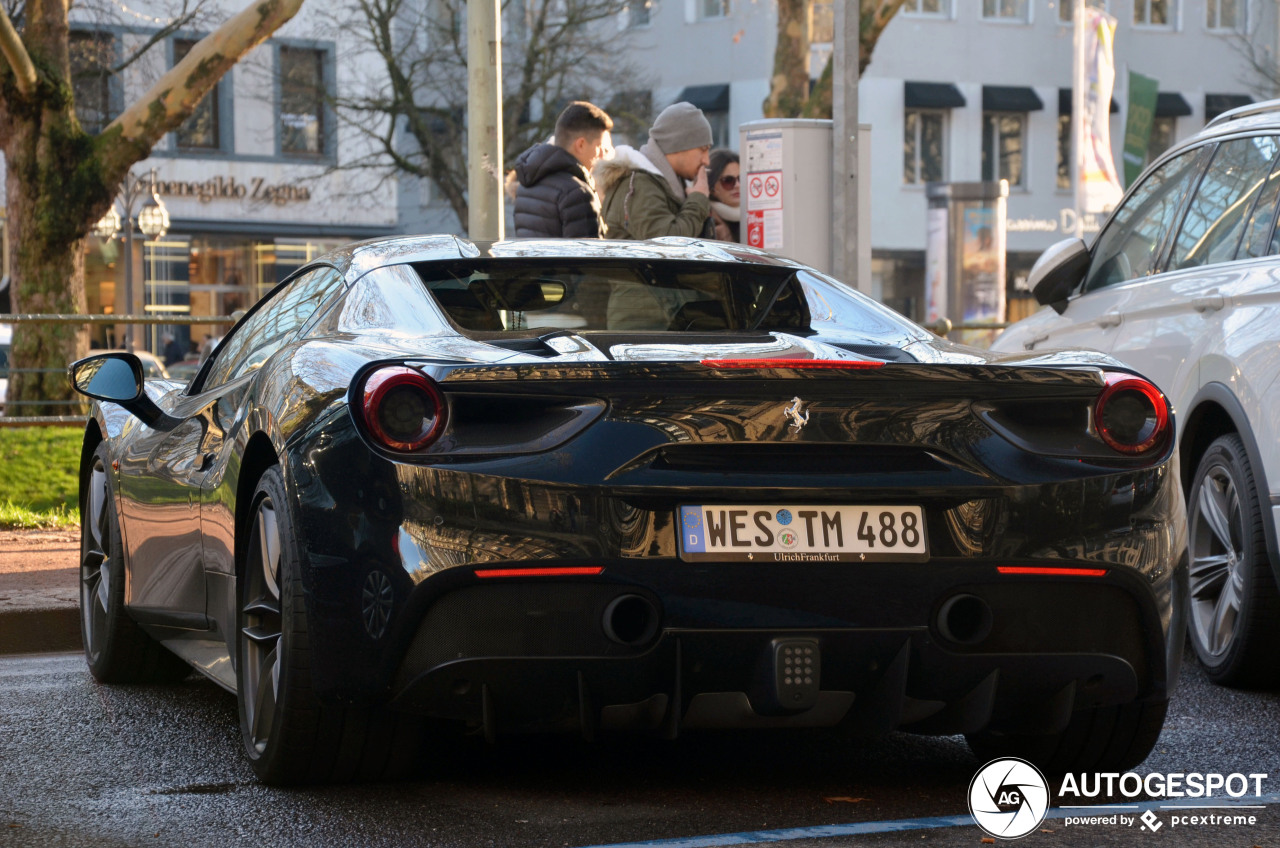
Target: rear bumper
(521, 654)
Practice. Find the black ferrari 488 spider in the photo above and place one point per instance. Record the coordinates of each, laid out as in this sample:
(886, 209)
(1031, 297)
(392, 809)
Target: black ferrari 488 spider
(644, 486)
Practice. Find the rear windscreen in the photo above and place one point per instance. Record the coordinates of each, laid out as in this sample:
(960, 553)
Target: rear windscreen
(484, 296)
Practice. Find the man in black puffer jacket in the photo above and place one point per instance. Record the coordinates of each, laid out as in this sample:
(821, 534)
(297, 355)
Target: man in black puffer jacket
(555, 195)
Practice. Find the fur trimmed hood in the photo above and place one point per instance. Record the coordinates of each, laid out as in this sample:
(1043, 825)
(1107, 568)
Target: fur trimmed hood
(625, 159)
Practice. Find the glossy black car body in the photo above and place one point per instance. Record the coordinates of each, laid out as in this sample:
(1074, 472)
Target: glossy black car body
(523, 571)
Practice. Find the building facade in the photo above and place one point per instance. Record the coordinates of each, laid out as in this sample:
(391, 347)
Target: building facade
(966, 90)
(252, 182)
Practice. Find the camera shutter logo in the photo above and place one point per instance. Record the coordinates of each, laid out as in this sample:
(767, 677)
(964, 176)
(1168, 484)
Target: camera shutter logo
(1008, 798)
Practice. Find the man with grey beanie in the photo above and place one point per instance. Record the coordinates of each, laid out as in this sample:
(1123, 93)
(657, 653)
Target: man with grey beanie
(644, 190)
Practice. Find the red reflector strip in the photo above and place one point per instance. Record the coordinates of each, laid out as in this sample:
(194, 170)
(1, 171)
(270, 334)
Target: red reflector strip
(576, 571)
(1052, 572)
(858, 364)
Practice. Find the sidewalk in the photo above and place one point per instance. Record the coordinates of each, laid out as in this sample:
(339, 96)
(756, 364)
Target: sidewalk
(39, 591)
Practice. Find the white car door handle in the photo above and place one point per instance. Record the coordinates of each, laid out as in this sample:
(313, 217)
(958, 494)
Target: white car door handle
(1208, 303)
(1111, 319)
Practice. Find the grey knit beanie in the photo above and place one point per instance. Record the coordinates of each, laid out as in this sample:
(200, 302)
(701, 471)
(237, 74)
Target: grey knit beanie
(681, 126)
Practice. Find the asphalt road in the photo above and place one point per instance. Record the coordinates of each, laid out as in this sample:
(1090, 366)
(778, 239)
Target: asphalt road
(88, 765)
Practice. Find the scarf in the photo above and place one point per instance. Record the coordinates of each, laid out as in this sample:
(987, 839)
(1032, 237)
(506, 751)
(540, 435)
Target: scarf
(727, 212)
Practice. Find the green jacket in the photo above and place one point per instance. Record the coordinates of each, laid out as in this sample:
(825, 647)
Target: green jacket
(639, 203)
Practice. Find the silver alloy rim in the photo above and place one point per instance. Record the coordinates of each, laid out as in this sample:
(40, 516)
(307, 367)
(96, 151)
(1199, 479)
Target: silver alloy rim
(260, 676)
(1217, 560)
(95, 561)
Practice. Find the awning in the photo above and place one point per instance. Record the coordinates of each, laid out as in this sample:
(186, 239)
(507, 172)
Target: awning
(708, 98)
(932, 95)
(1064, 102)
(1216, 104)
(1010, 98)
(1171, 104)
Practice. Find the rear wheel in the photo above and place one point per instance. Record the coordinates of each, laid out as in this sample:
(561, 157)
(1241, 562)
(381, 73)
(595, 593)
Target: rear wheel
(1234, 609)
(1114, 738)
(290, 735)
(116, 648)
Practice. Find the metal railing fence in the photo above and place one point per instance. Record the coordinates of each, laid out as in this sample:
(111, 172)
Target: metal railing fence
(87, 320)
(940, 328)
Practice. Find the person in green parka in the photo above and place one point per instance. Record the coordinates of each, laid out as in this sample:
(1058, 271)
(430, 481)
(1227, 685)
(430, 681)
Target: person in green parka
(644, 190)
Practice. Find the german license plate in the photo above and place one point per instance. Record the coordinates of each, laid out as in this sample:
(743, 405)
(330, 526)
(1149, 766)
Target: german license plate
(791, 533)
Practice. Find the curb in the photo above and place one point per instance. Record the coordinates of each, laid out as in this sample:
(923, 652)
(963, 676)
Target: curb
(40, 631)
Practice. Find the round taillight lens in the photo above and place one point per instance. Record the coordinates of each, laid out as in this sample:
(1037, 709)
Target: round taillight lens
(1131, 415)
(403, 408)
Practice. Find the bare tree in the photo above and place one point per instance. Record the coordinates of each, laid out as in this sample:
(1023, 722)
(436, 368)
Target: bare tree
(61, 178)
(553, 51)
(790, 94)
(1257, 46)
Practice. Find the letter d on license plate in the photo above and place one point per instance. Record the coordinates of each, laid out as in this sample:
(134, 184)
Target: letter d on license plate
(800, 533)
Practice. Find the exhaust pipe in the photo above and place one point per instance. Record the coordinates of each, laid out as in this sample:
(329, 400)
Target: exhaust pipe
(630, 620)
(965, 619)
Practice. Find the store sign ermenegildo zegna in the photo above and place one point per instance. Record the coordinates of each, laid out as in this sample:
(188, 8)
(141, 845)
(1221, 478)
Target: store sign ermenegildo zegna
(255, 189)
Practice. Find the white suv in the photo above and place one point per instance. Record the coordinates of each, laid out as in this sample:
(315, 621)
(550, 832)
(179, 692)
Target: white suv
(1183, 284)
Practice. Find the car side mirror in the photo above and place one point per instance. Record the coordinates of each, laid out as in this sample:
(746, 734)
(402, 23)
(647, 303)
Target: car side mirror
(117, 378)
(1058, 271)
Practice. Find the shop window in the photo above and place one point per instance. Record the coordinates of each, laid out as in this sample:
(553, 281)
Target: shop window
(202, 131)
(1226, 15)
(93, 55)
(709, 9)
(923, 146)
(1163, 131)
(1006, 10)
(1004, 143)
(303, 127)
(1153, 13)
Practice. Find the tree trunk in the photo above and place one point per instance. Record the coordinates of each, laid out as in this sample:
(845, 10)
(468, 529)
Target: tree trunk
(789, 87)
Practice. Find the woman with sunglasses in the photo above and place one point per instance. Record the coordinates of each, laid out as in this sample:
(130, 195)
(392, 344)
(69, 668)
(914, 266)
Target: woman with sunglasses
(726, 210)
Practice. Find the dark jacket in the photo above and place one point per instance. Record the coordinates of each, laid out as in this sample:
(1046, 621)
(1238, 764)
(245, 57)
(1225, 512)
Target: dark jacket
(555, 197)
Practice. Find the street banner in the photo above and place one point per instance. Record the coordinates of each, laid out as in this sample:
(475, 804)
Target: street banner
(1137, 125)
(1097, 186)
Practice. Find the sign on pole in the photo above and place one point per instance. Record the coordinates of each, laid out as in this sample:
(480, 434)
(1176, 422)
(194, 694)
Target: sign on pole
(1137, 125)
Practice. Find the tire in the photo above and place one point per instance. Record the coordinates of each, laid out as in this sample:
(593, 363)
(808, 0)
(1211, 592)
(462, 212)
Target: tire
(1114, 738)
(290, 735)
(115, 647)
(1233, 607)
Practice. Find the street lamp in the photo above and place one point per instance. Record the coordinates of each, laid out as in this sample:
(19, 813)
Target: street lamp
(153, 221)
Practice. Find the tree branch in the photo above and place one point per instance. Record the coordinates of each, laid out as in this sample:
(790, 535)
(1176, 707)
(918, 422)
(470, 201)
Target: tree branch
(24, 70)
(175, 95)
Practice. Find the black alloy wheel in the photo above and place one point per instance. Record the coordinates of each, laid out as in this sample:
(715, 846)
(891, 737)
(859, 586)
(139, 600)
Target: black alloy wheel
(115, 647)
(290, 735)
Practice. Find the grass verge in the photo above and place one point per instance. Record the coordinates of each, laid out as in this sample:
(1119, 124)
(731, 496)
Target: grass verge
(38, 486)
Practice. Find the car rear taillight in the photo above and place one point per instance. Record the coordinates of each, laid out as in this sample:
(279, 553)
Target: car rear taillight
(403, 408)
(1131, 415)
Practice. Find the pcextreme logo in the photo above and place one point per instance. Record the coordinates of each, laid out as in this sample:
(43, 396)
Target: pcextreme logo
(1009, 798)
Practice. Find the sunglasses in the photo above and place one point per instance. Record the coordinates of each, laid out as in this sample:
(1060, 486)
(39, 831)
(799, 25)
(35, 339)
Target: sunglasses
(728, 181)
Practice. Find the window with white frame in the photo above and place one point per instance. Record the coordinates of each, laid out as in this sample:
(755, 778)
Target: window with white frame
(712, 9)
(302, 101)
(202, 131)
(1153, 12)
(1067, 9)
(1226, 14)
(638, 13)
(92, 55)
(1004, 144)
(1006, 10)
(924, 146)
(927, 8)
